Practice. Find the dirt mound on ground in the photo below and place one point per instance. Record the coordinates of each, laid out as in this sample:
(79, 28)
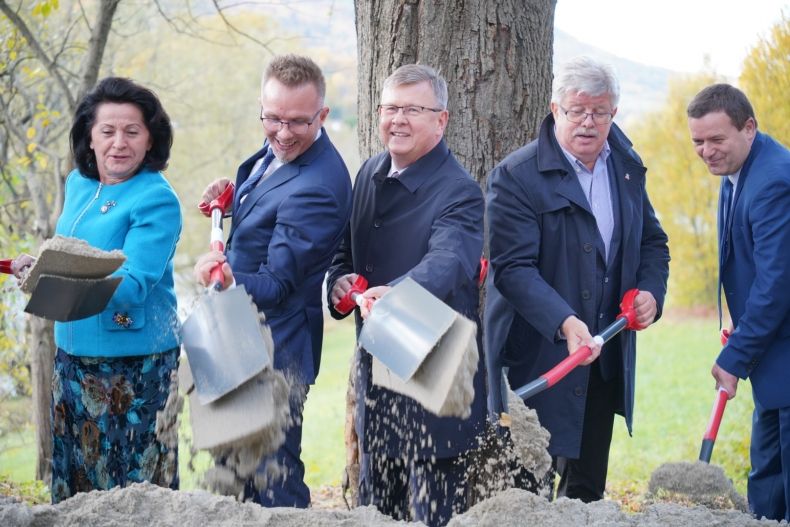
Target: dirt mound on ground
(147, 504)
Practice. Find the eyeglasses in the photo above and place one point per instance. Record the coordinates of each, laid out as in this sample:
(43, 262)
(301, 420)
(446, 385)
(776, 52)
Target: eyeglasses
(578, 117)
(296, 127)
(390, 110)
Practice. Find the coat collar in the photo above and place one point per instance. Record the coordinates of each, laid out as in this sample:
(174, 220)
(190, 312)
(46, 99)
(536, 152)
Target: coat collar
(629, 172)
(414, 175)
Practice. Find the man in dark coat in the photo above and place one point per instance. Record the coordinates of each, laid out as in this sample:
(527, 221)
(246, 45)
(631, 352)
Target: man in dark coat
(571, 229)
(290, 210)
(754, 271)
(416, 213)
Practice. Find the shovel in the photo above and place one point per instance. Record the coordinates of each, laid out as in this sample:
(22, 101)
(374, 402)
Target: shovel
(625, 320)
(222, 337)
(67, 286)
(421, 348)
(716, 414)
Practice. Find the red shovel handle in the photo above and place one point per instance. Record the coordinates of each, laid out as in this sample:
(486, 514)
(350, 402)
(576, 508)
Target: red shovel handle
(562, 369)
(628, 312)
(625, 320)
(5, 266)
(709, 439)
(349, 300)
(222, 202)
(716, 414)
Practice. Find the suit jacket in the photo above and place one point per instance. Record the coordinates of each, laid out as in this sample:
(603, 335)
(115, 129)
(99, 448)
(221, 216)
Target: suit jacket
(754, 270)
(281, 242)
(545, 267)
(426, 224)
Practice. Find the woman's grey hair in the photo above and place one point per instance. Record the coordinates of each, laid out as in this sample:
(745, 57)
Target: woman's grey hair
(417, 73)
(588, 76)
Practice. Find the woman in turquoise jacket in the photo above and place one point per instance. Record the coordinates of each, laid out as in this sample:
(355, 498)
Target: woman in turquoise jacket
(113, 370)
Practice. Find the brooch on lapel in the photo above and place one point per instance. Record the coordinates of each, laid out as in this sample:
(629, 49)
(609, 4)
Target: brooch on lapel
(627, 176)
(123, 320)
(107, 206)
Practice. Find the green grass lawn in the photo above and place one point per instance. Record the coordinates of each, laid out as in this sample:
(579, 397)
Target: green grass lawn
(674, 396)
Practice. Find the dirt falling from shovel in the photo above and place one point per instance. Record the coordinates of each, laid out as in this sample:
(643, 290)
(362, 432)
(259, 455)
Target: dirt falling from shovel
(518, 457)
(237, 462)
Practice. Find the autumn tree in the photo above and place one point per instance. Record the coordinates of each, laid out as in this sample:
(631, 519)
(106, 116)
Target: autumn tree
(765, 79)
(683, 193)
(49, 60)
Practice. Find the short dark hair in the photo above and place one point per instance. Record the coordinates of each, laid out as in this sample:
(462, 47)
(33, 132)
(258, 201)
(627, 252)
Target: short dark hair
(295, 70)
(120, 90)
(722, 98)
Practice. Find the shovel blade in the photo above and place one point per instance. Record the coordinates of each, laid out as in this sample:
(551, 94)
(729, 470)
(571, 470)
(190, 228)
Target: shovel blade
(443, 384)
(250, 409)
(404, 326)
(224, 343)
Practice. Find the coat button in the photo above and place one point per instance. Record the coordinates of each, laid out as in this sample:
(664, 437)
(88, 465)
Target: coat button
(369, 268)
(377, 223)
(578, 391)
(585, 295)
(587, 247)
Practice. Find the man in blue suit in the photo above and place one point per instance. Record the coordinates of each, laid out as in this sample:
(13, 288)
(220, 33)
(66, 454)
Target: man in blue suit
(290, 210)
(754, 271)
(571, 229)
(416, 213)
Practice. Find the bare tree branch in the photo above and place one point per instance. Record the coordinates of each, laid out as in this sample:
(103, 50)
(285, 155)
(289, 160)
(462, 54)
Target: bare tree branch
(96, 45)
(237, 30)
(50, 66)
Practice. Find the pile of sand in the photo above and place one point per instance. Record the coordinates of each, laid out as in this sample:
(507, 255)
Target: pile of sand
(147, 504)
(694, 484)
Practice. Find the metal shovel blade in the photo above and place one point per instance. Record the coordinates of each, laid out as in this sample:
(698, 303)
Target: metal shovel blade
(223, 341)
(404, 326)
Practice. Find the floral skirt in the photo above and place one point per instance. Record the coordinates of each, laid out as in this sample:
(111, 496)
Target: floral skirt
(104, 422)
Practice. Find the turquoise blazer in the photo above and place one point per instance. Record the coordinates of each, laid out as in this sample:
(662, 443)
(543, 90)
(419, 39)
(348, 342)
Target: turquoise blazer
(142, 218)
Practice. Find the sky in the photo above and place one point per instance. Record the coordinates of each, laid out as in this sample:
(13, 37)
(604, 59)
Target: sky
(673, 34)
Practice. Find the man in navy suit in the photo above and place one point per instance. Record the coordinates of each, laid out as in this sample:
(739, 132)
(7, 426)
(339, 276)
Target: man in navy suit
(290, 210)
(754, 271)
(571, 229)
(416, 213)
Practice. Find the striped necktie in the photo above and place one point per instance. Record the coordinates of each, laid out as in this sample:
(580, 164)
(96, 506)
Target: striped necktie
(253, 180)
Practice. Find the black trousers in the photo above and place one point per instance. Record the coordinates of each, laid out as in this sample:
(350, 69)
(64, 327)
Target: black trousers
(585, 478)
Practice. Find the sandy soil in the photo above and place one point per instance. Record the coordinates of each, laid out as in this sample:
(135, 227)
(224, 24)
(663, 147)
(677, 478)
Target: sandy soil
(147, 504)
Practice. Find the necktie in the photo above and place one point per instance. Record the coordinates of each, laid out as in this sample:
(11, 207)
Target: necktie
(253, 180)
(726, 203)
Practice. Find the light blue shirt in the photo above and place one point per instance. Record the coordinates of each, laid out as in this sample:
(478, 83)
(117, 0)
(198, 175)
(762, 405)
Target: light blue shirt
(595, 185)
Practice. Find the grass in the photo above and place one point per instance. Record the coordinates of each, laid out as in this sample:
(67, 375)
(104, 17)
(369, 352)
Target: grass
(674, 396)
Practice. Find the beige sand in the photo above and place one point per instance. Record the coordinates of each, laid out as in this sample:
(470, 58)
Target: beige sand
(147, 504)
(72, 258)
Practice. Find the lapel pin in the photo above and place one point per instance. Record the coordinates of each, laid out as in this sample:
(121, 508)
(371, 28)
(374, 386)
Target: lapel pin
(627, 177)
(107, 206)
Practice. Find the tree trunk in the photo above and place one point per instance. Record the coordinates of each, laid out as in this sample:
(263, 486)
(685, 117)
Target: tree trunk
(496, 56)
(42, 358)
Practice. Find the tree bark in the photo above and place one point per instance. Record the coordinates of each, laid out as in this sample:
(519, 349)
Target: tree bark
(42, 365)
(496, 56)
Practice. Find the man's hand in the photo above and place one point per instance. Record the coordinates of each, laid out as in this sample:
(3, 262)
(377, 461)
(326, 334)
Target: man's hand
(214, 189)
(725, 380)
(577, 335)
(371, 295)
(646, 308)
(342, 286)
(206, 263)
